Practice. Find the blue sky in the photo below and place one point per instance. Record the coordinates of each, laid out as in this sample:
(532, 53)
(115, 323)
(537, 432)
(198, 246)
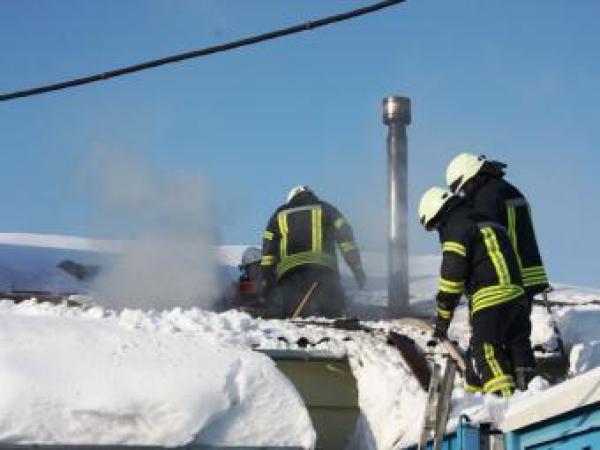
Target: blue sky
(518, 81)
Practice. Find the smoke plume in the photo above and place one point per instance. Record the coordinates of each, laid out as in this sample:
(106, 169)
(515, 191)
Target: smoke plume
(169, 258)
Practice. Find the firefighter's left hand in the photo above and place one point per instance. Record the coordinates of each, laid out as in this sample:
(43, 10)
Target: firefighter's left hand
(440, 330)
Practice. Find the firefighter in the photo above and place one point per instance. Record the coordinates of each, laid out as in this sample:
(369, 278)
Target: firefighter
(482, 183)
(478, 260)
(250, 279)
(299, 259)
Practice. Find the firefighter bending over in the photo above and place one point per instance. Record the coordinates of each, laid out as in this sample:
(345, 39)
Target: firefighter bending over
(482, 183)
(478, 260)
(299, 259)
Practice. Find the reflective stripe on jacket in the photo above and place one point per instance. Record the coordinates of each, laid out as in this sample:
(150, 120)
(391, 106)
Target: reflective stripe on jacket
(505, 204)
(478, 260)
(306, 231)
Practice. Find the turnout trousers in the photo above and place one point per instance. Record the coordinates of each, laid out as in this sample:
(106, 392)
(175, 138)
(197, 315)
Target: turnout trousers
(327, 298)
(500, 348)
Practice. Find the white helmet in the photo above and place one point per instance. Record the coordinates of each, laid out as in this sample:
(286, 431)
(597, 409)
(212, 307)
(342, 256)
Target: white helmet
(432, 202)
(462, 168)
(295, 191)
(251, 255)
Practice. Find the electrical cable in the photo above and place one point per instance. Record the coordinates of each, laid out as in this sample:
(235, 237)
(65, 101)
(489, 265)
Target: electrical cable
(306, 26)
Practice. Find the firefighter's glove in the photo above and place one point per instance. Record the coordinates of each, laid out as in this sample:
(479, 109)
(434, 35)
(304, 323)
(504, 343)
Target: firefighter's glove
(360, 277)
(440, 330)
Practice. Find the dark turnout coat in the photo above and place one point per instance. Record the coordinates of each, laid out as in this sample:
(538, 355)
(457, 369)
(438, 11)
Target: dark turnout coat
(477, 260)
(491, 195)
(300, 261)
(303, 232)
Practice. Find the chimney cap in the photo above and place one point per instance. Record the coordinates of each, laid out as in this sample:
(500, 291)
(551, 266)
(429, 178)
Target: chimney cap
(396, 109)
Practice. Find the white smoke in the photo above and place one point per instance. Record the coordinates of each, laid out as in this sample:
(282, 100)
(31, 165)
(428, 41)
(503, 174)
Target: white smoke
(170, 256)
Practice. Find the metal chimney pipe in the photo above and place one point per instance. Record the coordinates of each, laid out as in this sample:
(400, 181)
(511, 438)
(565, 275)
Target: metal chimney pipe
(396, 115)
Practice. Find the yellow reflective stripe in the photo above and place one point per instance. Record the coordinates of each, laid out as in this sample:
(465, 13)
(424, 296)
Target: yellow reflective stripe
(490, 357)
(504, 384)
(347, 246)
(320, 228)
(496, 382)
(529, 278)
(530, 275)
(455, 247)
(500, 382)
(268, 235)
(444, 314)
(488, 291)
(283, 230)
(267, 260)
(339, 222)
(452, 287)
(512, 231)
(494, 295)
(496, 255)
(313, 229)
(298, 259)
(316, 216)
(528, 282)
(534, 269)
(493, 249)
(534, 275)
(494, 299)
(471, 388)
(285, 240)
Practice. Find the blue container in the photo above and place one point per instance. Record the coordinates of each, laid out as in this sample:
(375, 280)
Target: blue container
(578, 429)
(467, 436)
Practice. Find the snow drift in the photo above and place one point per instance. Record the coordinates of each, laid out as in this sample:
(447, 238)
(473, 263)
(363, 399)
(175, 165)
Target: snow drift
(81, 377)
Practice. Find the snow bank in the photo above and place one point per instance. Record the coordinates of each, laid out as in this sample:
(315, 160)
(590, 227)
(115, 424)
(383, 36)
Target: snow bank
(73, 377)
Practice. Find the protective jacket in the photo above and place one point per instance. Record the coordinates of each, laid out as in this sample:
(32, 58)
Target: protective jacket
(477, 260)
(503, 203)
(305, 232)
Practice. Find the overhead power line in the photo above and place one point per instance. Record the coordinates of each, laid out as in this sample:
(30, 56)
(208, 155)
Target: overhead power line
(306, 26)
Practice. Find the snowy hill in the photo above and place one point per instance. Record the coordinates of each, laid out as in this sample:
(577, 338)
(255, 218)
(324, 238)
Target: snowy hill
(177, 375)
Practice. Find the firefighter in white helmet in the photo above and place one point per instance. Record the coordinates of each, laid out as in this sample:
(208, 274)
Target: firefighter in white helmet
(478, 261)
(299, 256)
(482, 183)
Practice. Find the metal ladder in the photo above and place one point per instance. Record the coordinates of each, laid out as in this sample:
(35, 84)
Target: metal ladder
(438, 405)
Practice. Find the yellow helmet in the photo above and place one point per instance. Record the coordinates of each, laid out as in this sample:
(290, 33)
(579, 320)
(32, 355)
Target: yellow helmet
(432, 202)
(462, 168)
